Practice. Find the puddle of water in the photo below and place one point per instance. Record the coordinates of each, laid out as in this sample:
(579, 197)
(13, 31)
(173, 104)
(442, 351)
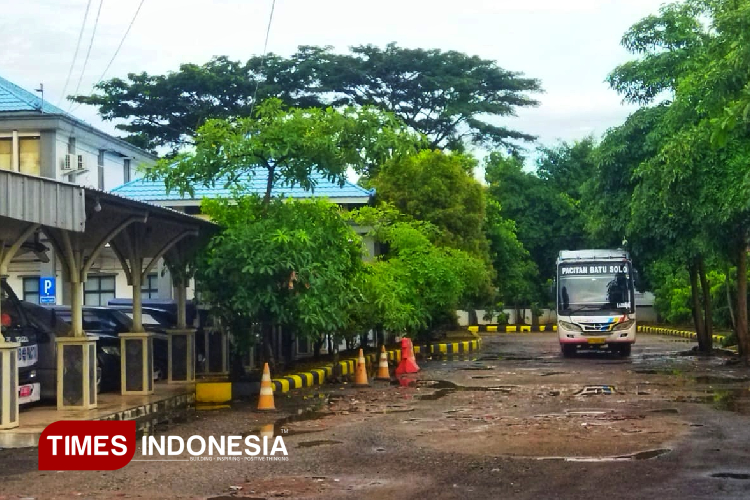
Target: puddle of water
(441, 393)
(591, 390)
(445, 387)
(733, 400)
(280, 426)
(719, 379)
(665, 410)
(648, 455)
(320, 442)
(731, 475)
(641, 455)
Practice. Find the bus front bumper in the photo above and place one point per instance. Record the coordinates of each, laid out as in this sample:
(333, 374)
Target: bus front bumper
(594, 339)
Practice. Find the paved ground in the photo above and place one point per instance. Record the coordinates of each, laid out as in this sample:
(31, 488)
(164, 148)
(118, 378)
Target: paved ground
(513, 421)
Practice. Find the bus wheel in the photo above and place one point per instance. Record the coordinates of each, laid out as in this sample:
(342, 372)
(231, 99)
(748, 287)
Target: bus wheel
(568, 350)
(624, 349)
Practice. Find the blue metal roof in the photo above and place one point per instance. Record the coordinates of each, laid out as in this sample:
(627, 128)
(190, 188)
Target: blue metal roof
(155, 191)
(15, 98)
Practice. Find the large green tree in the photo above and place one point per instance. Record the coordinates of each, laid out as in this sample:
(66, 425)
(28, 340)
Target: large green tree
(417, 286)
(450, 97)
(546, 211)
(290, 263)
(693, 191)
(289, 144)
(438, 187)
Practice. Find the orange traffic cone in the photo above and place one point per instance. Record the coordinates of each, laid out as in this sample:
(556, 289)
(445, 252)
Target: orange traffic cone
(408, 362)
(360, 378)
(265, 401)
(383, 373)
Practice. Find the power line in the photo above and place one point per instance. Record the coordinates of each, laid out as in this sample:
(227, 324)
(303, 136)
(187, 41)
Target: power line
(88, 52)
(117, 51)
(121, 42)
(75, 54)
(263, 57)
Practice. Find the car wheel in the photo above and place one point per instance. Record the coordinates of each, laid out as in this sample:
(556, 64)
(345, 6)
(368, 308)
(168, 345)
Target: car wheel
(624, 350)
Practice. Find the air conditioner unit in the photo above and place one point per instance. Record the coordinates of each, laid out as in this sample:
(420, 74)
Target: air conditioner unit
(73, 162)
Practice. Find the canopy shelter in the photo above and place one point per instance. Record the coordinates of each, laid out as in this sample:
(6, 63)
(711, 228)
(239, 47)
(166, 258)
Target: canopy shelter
(80, 223)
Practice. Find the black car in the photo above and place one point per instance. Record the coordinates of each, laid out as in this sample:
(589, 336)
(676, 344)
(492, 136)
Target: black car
(105, 321)
(15, 327)
(53, 325)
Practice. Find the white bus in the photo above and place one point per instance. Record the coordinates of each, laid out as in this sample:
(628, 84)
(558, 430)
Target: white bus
(595, 301)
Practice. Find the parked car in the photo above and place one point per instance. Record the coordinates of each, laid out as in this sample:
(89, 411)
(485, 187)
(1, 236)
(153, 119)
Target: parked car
(167, 305)
(154, 320)
(108, 321)
(53, 325)
(15, 327)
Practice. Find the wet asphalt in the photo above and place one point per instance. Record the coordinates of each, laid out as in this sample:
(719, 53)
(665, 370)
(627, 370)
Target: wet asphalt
(515, 420)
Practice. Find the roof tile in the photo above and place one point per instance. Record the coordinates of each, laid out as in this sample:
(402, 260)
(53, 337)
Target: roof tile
(155, 191)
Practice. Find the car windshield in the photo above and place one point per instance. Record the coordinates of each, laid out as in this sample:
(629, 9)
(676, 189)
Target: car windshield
(595, 292)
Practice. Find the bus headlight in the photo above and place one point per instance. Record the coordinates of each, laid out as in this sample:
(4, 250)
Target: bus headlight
(570, 326)
(625, 325)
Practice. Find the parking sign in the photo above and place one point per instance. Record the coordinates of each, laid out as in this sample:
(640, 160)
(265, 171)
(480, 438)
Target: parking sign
(47, 290)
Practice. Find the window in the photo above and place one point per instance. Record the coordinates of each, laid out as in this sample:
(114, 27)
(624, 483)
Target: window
(6, 153)
(31, 289)
(100, 169)
(29, 155)
(126, 170)
(98, 290)
(150, 287)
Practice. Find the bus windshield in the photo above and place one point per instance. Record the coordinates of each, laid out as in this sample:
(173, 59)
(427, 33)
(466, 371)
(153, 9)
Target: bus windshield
(598, 292)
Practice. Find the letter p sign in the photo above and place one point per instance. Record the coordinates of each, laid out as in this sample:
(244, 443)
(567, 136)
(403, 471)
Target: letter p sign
(47, 290)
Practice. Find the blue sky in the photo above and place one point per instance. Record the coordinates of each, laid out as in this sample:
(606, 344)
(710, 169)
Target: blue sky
(570, 45)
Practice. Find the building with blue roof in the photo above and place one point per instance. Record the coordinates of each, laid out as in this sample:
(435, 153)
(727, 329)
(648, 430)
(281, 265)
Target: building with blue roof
(348, 195)
(38, 138)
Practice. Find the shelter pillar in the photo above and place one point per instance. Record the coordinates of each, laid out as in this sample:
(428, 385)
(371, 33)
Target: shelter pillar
(76, 373)
(8, 384)
(137, 363)
(181, 347)
(9, 350)
(181, 341)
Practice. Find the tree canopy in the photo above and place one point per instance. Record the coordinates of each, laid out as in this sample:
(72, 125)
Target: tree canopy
(439, 188)
(450, 97)
(289, 144)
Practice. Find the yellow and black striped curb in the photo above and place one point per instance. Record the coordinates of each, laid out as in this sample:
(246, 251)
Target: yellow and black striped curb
(718, 339)
(318, 376)
(512, 328)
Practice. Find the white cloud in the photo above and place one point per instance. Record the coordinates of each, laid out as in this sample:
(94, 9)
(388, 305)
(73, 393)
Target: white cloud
(570, 45)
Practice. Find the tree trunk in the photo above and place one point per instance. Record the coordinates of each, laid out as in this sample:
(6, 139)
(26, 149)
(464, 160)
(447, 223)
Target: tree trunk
(696, 307)
(730, 304)
(742, 339)
(268, 345)
(708, 320)
(269, 188)
(317, 346)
